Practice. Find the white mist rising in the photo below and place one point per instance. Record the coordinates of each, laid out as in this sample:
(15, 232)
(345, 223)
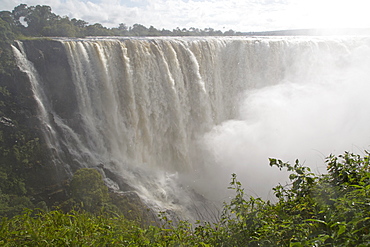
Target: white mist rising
(322, 106)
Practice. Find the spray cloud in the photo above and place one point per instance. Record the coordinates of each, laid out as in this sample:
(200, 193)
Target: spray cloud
(319, 107)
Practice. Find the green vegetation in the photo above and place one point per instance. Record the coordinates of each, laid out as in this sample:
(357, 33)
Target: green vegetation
(328, 210)
(39, 21)
(332, 209)
(88, 188)
(88, 193)
(20, 152)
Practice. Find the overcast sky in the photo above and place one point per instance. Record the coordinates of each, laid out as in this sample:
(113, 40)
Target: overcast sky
(239, 15)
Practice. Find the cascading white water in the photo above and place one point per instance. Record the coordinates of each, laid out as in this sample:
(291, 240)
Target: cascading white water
(173, 113)
(43, 105)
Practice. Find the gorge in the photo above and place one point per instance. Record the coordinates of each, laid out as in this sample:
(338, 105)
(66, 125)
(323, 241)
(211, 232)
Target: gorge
(172, 116)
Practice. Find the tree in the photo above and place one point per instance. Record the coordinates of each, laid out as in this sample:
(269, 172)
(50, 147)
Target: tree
(165, 32)
(38, 18)
(7, 35)
(20, 11)
(79, 23)
(153, 31)
(194, 31)
(229, 33)
(122, 27)
(63, 27)
(122, 30)
(139, 30)
(88, 188)
(97, 29)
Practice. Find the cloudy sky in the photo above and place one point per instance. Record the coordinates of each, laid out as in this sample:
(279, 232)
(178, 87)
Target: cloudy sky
(239, 15)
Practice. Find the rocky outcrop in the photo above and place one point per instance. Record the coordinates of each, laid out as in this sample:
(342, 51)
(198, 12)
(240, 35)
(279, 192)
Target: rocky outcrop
(50, 60)
(24, 154)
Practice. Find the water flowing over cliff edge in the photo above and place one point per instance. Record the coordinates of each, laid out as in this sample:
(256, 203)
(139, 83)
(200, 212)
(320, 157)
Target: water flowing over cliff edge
(165, 117)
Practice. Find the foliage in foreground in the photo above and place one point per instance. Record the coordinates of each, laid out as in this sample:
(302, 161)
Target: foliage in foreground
(327, 210)
(313, 210)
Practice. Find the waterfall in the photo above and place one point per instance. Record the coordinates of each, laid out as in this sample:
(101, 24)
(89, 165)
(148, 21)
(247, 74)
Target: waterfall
(169, 115)
(43, 104)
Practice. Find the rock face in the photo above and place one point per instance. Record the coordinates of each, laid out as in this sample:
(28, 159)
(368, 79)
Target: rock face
(24, 155)
(49, 59)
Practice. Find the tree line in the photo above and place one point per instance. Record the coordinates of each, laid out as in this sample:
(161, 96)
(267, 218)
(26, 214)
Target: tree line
(40, 21)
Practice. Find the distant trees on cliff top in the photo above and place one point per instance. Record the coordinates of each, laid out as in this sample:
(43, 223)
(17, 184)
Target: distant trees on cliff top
(40, 21)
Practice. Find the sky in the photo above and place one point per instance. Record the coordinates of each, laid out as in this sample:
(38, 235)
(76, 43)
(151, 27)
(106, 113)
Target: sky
(238, 15)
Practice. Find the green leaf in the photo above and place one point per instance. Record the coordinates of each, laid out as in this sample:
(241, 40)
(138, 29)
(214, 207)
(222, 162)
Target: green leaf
(342, 229)
(316, 220)
(296, 244)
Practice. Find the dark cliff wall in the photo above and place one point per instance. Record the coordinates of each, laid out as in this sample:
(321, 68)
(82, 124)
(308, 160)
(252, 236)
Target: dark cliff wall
(24, 155)
(49, 59)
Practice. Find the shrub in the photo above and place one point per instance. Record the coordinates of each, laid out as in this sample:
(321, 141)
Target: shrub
(88, 189)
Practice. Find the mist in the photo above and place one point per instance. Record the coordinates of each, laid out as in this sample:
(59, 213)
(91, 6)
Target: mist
(320, 107)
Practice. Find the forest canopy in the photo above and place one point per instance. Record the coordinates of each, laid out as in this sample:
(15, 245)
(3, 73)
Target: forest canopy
(40, 21)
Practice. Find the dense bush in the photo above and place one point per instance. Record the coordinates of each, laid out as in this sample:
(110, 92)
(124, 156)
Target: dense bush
(332, 209)
(88, 189)
(71, 229)
(19, 156)
(327, 210)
